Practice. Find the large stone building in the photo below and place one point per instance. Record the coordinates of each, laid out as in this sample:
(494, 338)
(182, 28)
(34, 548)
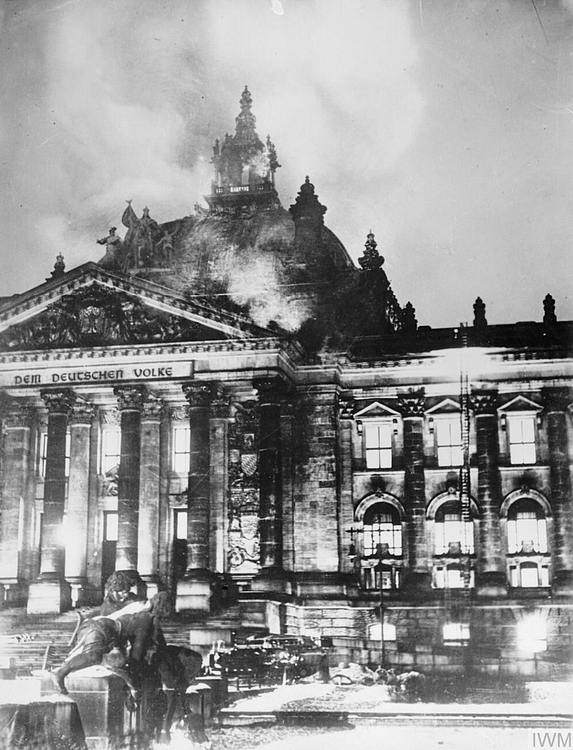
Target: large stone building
(228, 405)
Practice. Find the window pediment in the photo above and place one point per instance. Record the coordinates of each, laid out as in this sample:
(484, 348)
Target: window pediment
(447, 407)
(376, 410)
(520, 404)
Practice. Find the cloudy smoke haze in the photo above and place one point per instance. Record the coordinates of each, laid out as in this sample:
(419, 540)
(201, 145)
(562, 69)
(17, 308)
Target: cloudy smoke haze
(444, 127)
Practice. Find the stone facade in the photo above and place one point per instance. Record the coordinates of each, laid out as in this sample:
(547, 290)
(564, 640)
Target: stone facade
(313, 478)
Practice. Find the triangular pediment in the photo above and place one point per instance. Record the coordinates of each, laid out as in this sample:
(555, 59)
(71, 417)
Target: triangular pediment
(447, 406)
(90, 306)
(376, 410)
(519, 404)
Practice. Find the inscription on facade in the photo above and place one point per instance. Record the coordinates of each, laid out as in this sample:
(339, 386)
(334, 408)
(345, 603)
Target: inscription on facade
(50, 377)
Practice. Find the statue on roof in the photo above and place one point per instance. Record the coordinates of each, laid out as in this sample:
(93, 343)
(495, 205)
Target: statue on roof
(144, 236)
(113, 258)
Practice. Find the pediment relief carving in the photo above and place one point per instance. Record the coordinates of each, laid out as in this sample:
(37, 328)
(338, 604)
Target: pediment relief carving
(97, 316)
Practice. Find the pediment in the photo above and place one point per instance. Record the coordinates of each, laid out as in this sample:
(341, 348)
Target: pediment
(376, 410)
(447, 406)
(520, 404)
(93, 307)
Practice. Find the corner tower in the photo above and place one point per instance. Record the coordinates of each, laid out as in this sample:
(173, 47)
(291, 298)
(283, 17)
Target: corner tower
(244, 167)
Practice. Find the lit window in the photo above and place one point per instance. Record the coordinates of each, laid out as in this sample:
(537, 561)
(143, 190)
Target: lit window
(452, 535)
(374, 632)
(390, 578)
(181, 449)
(456, 633)
(528, 575)
(378, 445)
(110, 529)
(452, 577)
(110, 449)
(449, 441)
(44, 453)
(526, 528)
(532, 634)
(521, 432)
(181, 524)
(382, 531)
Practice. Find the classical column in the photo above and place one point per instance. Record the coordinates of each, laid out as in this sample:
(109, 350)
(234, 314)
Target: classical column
(194, 591)
(346, 509)
(219, 411)
(270, 390)
(411, 405)
(52, 593)
(150, 490)
(491, 578)
(78, 498)
(16, 422)
(130, 400)
(557, 401)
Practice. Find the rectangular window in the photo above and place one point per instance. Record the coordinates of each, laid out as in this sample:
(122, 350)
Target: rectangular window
(181, 449)
(44, 453)
(456, 633)
(110, 449)
(378, 445)
(180, 524)
(521, 432)
(110, 529)
(449, 441)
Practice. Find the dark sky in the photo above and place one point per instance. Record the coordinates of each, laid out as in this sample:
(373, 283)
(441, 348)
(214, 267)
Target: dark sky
(444, 126)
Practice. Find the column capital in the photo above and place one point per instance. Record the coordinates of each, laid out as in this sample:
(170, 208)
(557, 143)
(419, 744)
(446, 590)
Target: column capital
(152, 409)
(82, 412)
(59, 400)
(18, 415)
(557, 398)
(346, 408)
(130, 397)
(412, 403)
(484, 402)
(271, 388)
(198, 394)
(220, 404)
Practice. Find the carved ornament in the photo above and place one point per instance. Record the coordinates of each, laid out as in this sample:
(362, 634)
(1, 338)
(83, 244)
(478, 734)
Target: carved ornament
(82, 412)
(59, 400)
(130, 397)
(484, 402)
(412, 404)
(198, 394)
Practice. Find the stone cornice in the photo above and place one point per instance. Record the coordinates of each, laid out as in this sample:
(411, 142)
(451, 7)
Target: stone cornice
(137, 350)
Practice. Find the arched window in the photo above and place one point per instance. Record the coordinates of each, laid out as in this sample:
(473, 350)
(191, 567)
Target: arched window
(382, 531)
(452, 535)
(526, 527)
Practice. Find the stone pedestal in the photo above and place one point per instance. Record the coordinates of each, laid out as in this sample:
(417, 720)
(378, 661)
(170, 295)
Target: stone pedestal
(49, 597)
(272, 581)
(100, 697)
(194, 591)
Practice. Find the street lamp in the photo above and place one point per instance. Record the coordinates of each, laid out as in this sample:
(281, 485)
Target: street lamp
(380, 568)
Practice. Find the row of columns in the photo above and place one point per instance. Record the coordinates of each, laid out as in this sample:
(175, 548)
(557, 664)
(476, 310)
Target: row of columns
(138, 490)
(491, 574)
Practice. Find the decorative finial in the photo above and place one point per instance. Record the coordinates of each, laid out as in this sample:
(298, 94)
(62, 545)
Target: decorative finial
(549, 317)
(480, 320)
(59, 268)
(246, 100)
(371, 260)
